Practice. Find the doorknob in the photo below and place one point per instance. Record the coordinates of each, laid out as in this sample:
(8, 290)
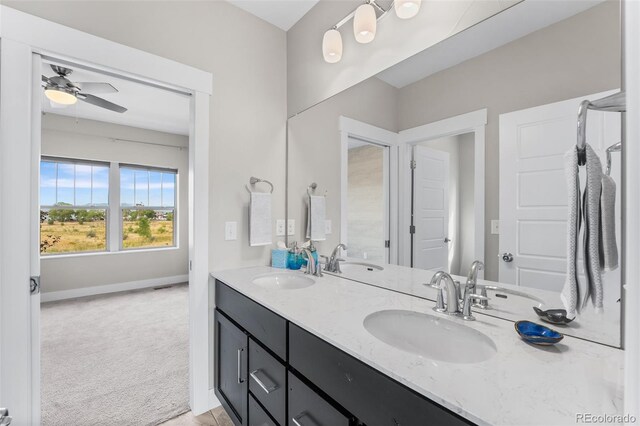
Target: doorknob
(5, 419)
(447, 240)
(506, 257)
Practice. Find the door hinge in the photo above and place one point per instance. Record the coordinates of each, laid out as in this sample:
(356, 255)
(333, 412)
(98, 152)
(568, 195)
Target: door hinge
(387, 244)
(34, 285)
(191, 265)
(412, 229)
(412, 164)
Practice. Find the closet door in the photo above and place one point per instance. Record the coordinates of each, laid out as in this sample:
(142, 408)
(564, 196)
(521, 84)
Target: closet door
(231, 345)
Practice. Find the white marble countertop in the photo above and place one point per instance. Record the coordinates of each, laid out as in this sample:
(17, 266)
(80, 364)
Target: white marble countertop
(602, 328)
(520, 385)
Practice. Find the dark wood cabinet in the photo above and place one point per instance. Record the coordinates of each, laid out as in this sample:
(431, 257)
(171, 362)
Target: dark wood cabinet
(231, 345)
(271, 372)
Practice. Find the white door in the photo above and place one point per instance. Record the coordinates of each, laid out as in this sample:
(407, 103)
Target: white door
(430, 208)
(533, 190)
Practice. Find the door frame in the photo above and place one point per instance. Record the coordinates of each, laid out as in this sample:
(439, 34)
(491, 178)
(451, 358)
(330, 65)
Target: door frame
(349, 127)
(472, 122)
(21, 36)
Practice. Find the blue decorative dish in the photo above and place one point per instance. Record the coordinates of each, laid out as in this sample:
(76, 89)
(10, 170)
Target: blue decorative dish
(537, 334)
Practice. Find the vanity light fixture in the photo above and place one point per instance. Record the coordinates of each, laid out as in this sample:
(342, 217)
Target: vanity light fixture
(59, 96)
(332, 46)
(406, 9)
(365, 22)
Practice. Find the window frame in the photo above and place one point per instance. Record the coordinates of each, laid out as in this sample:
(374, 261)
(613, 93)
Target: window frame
(106, 208)
(174, 209)
(113, 209)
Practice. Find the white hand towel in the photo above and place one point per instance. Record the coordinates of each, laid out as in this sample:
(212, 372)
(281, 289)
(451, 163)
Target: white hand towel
(316, 215)
(591, 214)
(608, 244)
(260, 219)
(571, 292)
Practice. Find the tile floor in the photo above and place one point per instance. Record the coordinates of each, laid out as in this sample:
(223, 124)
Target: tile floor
(215, 417)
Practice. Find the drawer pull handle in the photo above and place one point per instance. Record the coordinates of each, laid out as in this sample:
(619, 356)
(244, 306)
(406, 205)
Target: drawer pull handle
(240, 380)
(263, 381)
(297, 420)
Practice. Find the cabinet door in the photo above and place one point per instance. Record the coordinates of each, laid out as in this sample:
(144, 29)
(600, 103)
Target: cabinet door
(231, 345)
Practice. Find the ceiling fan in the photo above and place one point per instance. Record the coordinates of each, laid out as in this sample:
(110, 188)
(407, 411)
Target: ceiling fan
(61, 90)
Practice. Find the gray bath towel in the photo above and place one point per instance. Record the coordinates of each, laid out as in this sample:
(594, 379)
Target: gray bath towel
(591, 213)
(573, 294)
(608, 244)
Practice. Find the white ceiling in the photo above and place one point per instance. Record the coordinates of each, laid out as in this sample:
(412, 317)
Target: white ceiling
(148, 107)
(511, 24)
(281, 13)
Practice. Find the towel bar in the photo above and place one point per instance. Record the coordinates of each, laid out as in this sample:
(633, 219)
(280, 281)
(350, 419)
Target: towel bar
(254, 180)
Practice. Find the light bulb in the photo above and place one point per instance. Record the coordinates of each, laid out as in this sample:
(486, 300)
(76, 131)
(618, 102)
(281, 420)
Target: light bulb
(406, 9)
(60, 96)
(364, 24)
(332, 46)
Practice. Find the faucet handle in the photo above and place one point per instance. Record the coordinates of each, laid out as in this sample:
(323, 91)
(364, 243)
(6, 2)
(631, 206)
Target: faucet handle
(466, 309)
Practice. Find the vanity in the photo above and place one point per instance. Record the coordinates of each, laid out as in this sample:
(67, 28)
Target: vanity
(291, 352)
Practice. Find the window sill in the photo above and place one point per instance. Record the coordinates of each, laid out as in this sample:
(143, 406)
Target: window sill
(108, 253)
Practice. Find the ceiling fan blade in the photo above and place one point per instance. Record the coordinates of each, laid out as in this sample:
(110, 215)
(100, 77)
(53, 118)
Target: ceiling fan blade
(45, 81)
(91, 87)
(103, 103)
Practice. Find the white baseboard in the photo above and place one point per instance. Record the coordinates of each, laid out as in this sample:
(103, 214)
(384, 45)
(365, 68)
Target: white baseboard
(111, 288)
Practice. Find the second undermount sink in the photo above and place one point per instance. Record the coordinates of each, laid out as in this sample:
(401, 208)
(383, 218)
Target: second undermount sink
(430, 336)
(283, 281)
(349, 266)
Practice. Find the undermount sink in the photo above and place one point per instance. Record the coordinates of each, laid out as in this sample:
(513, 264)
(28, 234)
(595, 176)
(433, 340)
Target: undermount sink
(359, 266)
(283, 281)
(430, 336)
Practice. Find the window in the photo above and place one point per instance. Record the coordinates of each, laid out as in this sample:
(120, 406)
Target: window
(147, 202)
(74, 199)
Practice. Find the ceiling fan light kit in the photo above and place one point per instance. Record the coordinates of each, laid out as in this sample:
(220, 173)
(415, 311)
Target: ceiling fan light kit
(365, 20)
(60, 90)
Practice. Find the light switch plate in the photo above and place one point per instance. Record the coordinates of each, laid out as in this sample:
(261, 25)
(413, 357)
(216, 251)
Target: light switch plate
(495, 227)
(327, 226)
(280, 227)
(291, 227)
(230, 231)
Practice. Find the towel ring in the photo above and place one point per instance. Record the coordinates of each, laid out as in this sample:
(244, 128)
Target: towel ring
(312, 189)
(254, 180)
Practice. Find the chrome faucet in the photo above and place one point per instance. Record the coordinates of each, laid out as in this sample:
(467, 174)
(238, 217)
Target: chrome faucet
(468, 301)
(313, 268)
(333, 263)
(472, 279)
(453, 305)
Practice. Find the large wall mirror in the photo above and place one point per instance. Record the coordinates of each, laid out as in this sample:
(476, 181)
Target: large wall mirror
(459, 154)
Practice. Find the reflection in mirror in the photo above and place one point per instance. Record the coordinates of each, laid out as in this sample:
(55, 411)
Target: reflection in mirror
(460, 154)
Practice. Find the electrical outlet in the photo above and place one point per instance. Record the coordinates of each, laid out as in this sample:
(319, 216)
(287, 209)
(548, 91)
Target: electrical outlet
(327, 226)
(495, 227)
(291, 227)
(280, 227)
(230, 231)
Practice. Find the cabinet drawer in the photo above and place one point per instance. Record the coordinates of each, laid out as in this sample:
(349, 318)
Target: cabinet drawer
(257, 416)
(307, 408)
(267, 381)
(269, 328)
(374, 398)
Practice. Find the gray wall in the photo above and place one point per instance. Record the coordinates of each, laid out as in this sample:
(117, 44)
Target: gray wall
(314, 148)
(311, 80)
(247, 58)
(93, 140)
(562, 61)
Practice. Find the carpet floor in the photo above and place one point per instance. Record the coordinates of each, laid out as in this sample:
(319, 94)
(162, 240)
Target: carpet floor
(118, 359)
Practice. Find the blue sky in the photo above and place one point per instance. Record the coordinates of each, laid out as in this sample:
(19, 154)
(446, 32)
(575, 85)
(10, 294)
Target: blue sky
(73, 183)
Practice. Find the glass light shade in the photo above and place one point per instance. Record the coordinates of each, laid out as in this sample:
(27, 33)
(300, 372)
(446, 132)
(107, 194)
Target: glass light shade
(406, 9)
(60, 97)
(364, 23)
(332, 46)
